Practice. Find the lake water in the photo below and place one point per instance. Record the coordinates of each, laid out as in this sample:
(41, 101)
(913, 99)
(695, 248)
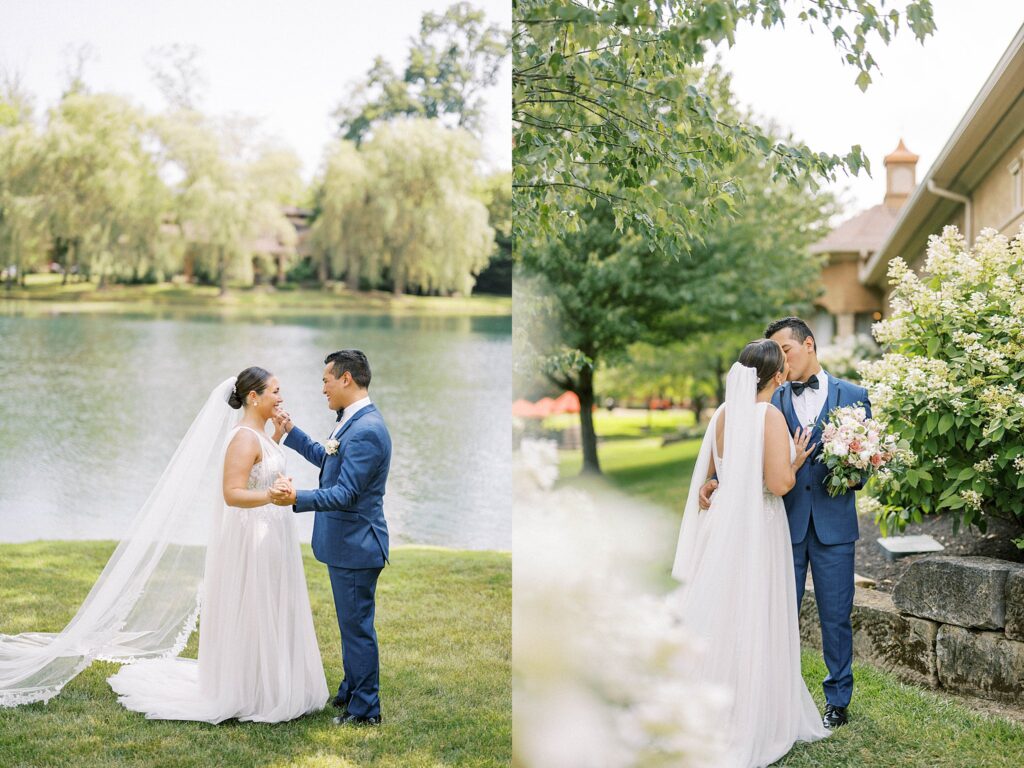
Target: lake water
(93, 406)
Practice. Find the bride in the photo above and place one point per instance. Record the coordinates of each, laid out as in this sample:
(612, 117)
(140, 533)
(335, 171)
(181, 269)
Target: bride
(736, 564)
(207, 544)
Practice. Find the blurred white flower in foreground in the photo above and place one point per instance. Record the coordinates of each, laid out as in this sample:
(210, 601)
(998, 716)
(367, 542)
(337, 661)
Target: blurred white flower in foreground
(598, 659)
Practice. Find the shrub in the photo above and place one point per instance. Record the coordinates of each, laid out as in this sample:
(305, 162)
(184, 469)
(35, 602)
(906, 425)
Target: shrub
(951, 382)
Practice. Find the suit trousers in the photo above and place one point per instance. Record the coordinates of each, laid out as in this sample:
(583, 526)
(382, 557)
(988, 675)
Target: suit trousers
(832, 575)
(354, 591)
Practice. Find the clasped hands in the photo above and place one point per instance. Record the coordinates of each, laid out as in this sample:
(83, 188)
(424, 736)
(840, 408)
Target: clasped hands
(282, 493)
(282, 423)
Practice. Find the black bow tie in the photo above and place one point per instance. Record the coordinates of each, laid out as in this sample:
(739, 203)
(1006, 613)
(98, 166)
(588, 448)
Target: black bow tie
(340, 412)
(800, 386)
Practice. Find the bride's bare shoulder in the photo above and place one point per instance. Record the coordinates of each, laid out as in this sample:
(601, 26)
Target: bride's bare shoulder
(244, 444)
(773, 418)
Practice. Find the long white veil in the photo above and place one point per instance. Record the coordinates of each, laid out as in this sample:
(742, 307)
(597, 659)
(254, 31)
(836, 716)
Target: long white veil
(146, 601)
(730, 559)
(723, 545)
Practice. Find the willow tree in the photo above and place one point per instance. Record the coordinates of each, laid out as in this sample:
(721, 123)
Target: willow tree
(95, 165)
(434, 228)
(227, 192)
(21, 233)
(346, 234)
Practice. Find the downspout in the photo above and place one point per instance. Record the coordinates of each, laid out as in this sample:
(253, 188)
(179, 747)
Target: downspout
(936, 190)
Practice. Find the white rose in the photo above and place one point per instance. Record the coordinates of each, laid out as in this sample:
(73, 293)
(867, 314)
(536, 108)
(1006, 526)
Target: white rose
(332, 447)
(839, 449)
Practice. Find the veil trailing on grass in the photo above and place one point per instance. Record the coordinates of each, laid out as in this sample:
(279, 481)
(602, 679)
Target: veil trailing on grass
(146, 601)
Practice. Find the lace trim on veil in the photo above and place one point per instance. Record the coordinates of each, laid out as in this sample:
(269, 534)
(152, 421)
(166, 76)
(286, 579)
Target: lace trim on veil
(147, 601)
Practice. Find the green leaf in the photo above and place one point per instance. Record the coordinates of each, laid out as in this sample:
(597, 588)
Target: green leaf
(945, 423)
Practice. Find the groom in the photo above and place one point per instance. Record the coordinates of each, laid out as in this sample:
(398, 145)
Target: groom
(350, 534)
(823, 529)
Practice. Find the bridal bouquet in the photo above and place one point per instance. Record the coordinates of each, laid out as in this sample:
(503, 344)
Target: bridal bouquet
(854, 448)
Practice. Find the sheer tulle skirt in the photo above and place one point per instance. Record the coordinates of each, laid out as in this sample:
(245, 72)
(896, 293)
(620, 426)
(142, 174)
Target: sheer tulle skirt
(751, 639)
(258, 653)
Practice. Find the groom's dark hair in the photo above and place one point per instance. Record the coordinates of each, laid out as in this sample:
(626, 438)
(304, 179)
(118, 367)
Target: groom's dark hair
(353, 361)
(800, 329)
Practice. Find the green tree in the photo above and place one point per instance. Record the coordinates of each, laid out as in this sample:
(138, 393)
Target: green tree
(21, 232)
(345, 233)
(456, 56)
(608, 289)
(496, 192)
(610, 84)
(211, 203)
(94, 166)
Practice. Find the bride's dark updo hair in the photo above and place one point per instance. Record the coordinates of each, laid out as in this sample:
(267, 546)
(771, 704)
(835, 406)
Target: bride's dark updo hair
(764, 356)
(250, 380)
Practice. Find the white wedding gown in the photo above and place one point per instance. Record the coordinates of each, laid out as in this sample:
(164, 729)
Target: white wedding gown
(738, 594)
(258, 653)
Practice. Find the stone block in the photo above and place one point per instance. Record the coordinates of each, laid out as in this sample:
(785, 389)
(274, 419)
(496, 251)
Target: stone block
(984, 664)
(966, 591)
(904, 645)
(1015, 605)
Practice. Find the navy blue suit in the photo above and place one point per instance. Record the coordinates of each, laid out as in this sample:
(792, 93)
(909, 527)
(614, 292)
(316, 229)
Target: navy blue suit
(824, 530)
(350, 535)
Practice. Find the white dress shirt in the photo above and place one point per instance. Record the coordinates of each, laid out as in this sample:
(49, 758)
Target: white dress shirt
(809, 404)
(351, 411)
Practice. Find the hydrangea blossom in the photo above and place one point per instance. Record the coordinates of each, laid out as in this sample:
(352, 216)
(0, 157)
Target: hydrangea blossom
(586, 617)
(951, 381)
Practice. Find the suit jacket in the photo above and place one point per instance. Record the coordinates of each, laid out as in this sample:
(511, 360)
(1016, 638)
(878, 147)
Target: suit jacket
(835, 519)
(349, 529)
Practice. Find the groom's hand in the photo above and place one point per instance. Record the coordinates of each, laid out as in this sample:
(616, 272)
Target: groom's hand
(705, 493)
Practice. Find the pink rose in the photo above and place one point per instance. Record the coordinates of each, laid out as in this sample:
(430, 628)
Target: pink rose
(876, 460)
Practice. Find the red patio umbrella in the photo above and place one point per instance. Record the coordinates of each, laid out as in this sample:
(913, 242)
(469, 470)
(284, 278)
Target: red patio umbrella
(524, 409)
(567, 402)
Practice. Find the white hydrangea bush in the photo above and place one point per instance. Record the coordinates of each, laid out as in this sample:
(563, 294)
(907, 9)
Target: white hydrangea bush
(598, 657)
(951, 382)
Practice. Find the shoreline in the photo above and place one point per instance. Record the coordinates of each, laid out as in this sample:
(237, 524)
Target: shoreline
(304, 545)
(243, 303)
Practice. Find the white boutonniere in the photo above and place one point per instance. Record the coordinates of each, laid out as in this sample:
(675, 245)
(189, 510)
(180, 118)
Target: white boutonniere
(332, 447)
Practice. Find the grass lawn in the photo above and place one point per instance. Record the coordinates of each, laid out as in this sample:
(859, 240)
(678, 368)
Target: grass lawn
(892, 724)
(444, 623)
(624, 423)
(47, 291)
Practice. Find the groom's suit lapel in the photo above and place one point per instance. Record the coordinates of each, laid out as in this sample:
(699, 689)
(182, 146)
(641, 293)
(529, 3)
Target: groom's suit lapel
(344, 429)
(359, 414)
(830, 402)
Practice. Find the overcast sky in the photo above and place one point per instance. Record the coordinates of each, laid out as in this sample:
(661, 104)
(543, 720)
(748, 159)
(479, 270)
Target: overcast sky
(286, 63)
(921, 94)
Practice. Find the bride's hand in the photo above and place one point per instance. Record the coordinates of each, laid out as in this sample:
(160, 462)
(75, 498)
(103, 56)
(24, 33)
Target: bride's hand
(282, 423)
(804, 448)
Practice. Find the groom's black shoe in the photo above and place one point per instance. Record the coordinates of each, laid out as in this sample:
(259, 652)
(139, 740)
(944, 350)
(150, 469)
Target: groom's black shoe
(348, 719)
(834, 716)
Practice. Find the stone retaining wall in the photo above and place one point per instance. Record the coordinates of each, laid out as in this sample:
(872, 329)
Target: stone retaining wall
(951, 622)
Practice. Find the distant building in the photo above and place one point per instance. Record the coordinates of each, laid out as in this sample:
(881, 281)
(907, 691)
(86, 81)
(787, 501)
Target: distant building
(849, 306)
(977, 182)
